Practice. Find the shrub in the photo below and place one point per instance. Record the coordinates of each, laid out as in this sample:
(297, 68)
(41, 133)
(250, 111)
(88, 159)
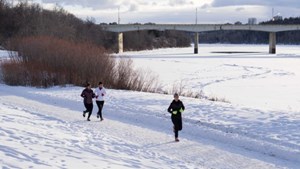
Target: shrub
(180, 88)
(45, 61)
(217, 99)
(138, 80)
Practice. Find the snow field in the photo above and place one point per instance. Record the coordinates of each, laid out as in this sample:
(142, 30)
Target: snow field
(259, 128)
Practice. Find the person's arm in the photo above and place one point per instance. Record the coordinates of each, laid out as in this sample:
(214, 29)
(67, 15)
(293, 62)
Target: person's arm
(103, 92)
(183, 106)
(83, 94)
(96, 93)
(170, 108)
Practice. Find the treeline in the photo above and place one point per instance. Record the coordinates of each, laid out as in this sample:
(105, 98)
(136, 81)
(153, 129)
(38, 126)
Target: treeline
(26, 19)
(286, 21)
(253, 37)
(155, 39)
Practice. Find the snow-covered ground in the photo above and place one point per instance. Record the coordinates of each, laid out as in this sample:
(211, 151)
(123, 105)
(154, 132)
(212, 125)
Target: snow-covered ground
(256, 80)
(44, 128)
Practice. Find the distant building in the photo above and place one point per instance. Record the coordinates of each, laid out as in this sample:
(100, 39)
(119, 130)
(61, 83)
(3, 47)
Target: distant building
(252, 21)
(238, 23)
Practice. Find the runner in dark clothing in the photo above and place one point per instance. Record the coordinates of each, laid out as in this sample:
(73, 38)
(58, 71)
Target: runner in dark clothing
(176, 108)
(88, 96)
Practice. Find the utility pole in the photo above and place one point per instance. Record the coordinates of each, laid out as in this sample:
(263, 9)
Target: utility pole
(196, 16)
(119, 20)
(196, 38)
(272, 14)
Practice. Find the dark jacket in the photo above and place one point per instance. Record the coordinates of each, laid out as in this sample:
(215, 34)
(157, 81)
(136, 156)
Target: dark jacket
(88, 96)
(175, 108)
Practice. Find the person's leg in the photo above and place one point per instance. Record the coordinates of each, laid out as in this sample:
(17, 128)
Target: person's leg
(176, 134)
(175, 128)
(100, 109)
(179, 124)
(90, 110)
(178, 128)
(86, 109)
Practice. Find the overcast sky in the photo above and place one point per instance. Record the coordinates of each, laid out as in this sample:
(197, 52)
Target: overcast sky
(177, 11)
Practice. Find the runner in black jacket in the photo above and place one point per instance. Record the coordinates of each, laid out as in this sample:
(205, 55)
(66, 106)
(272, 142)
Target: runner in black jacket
(88, 96)
(176, 108)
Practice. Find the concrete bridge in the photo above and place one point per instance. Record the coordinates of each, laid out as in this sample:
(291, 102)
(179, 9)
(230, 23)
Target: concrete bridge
(196, 28)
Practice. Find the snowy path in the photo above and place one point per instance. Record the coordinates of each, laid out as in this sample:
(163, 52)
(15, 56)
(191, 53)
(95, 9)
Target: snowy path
(45, 129)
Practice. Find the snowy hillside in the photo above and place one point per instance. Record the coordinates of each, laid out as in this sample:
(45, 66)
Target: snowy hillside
(44, 128)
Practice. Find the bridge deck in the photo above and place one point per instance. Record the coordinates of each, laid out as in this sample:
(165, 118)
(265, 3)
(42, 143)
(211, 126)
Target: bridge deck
(199, 27)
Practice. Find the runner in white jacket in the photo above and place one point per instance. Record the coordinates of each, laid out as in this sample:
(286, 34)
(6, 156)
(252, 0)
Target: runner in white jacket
(100, 95)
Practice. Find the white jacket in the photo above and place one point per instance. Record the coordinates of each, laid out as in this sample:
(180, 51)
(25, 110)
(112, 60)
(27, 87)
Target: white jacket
(100, 94)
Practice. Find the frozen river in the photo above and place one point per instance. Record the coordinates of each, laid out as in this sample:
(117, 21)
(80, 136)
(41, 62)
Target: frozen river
(246, 75)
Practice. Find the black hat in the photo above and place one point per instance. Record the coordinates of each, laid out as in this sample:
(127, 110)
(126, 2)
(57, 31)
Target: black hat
(87, 84)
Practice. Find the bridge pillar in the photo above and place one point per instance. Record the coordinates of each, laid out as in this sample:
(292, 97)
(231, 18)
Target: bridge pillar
(196, 41)
(272, 43)
(120, 42)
